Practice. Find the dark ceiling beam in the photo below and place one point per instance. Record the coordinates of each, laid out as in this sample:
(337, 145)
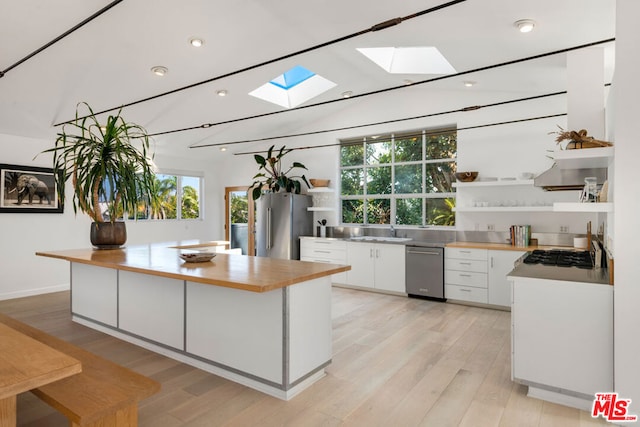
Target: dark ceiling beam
(60, 37)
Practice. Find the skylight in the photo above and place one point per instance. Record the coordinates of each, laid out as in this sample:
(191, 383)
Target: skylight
(409, 60)
(293, 87)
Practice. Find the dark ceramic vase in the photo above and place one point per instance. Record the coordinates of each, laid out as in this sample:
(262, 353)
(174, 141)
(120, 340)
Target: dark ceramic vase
(108, 235)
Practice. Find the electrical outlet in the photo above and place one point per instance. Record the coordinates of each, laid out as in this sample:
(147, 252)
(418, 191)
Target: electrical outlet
(491, 227)
(564, 228)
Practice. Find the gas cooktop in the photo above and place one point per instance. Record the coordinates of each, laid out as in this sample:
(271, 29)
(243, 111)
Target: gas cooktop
(560, 258)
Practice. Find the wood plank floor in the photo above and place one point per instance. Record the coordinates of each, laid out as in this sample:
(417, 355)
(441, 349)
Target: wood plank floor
(397, 362)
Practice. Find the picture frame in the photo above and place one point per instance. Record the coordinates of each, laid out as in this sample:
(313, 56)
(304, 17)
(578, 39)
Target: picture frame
(28, 189)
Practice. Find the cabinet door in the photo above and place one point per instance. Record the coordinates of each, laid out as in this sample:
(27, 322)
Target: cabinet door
(500, 264)
(389, 267)
(361, 258)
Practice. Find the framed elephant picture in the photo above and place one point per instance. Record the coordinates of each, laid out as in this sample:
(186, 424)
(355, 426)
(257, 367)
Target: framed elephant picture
(28, 189)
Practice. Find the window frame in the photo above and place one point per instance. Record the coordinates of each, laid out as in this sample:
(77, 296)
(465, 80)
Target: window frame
(393, 196)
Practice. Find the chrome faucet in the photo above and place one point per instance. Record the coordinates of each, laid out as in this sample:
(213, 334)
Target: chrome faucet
(392, 231)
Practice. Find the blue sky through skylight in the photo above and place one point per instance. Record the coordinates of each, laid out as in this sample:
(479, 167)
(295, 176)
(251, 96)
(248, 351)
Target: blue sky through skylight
(292, 77)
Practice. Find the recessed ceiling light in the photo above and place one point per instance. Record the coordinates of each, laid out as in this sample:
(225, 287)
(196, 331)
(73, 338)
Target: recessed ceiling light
(222, 92)
(223, 148)
(469, 83)
(407, 82)
(525, 25)
(347, 94)
(159, 70)
(196, 42)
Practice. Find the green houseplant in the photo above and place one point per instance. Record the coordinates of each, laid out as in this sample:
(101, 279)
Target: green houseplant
(271, 176)
(109, 174)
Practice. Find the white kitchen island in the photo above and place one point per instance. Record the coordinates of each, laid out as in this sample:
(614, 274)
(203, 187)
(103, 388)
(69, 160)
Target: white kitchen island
(264, 323)
(562, 333)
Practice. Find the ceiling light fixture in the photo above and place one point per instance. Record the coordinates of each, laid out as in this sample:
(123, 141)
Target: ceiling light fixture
(196, 42)
(347, 94)
(223, 148)
(525, 25)
(407, 82)
(469, 83)
(222, 92)
(159, 70)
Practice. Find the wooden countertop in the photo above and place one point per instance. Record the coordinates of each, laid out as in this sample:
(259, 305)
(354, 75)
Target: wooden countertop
(255, 274)
(499, 246)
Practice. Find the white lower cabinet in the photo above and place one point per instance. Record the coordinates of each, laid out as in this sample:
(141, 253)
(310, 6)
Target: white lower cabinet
(500, 264)
(479, 275)
(377, 266)
(465, 275)
(327, 251)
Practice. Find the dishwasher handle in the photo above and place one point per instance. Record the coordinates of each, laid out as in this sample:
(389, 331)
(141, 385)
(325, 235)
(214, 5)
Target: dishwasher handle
(409, 251)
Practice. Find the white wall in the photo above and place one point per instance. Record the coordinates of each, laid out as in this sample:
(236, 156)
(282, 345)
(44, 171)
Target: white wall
(21, 235)
(627, 204)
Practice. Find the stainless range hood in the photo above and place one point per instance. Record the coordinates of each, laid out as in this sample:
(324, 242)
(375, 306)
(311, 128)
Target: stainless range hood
(557, 179)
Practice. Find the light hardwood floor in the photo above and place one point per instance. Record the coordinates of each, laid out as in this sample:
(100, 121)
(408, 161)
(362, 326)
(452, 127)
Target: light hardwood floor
(397, 362)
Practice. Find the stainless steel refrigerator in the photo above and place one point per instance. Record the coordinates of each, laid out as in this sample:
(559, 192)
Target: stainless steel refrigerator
(281, 218)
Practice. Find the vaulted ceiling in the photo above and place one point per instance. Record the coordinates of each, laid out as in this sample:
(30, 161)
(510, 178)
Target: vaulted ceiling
(107, 62)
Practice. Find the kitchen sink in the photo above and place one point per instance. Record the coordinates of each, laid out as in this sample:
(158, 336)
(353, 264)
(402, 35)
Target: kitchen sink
(380, 239)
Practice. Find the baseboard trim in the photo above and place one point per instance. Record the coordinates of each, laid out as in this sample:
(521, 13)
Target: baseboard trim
(32, 292)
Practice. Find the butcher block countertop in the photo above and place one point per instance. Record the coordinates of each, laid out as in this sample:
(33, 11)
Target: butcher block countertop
(255, 274)
(500, 246)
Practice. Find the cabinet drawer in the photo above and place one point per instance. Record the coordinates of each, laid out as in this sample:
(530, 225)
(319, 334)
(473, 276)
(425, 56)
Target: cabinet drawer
(335, 278)
(338, 257)
(325, 244)
(460, 253)
(466, 293)
(477, 280)
(466, 265)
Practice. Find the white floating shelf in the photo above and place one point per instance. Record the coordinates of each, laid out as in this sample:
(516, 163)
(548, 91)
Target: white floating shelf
(506, 209)
(317, 209)
(583, 158)
(499, 183)
(582, 207)
(320, 190)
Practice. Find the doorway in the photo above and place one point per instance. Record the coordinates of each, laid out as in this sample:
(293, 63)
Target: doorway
(239, 226)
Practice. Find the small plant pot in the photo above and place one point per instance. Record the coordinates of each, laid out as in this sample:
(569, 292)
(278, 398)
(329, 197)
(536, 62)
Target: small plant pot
(108, 235)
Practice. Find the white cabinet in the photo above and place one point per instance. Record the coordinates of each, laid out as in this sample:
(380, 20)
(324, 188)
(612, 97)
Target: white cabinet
(377, 266)
(325, 250)
(500, 264)
(479, 275)
(465, 275)
(562, 339)
(94, 293)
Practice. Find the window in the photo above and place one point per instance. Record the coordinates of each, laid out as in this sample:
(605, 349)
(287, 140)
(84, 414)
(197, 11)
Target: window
(400, 179)
(180, 198)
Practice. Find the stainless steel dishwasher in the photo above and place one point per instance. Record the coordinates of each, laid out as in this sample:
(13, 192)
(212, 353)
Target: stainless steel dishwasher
(425, 272)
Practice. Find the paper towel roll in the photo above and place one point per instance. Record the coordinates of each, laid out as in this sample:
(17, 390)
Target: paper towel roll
(580, 243)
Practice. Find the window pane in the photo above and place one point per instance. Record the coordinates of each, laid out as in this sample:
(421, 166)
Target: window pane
(439, 177)
(378, 211)
(166, 188)
(352, 155)
(408, 179)
(440, 212)
(409, 149)
(442, 146)
(378, 152)
(352, 181)
(190, 197)
(409, 211)
(379, 180)
(353, 211)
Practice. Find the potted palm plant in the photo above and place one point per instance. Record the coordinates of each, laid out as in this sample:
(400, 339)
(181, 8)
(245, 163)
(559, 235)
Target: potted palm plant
(109, 168)
(271, 176)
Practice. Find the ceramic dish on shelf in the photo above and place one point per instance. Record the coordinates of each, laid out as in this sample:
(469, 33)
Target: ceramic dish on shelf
(466, 176)
(197, 256)
(319, 182)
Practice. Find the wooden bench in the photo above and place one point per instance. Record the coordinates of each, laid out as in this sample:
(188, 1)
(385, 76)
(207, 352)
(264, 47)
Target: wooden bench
(103, 394)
